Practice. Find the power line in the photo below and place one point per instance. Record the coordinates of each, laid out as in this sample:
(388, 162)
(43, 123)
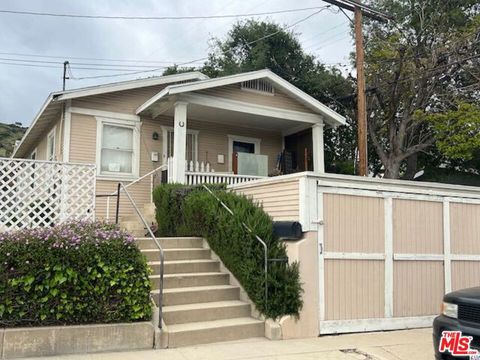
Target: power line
(87, 58)
(205, 58)
(188, 17)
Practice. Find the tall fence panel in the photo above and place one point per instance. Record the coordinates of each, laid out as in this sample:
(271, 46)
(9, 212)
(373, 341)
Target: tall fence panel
(36, 193)
(387, 258)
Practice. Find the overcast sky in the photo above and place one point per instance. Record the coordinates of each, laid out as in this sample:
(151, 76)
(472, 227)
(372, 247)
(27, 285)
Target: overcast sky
(23, 89)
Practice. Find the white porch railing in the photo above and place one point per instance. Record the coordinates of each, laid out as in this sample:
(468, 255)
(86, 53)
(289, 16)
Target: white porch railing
(35, 193)
(202, 173)
(194, 178)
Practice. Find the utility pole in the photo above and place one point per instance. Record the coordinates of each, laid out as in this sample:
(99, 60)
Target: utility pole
(358, 10)
(361, 98)
(65, 77)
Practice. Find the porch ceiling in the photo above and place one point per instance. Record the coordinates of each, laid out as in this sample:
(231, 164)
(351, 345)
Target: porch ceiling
(229, 117)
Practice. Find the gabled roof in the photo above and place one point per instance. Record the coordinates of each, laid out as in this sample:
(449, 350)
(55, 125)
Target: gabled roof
(130, 84)
(331, 116)
(52, 107)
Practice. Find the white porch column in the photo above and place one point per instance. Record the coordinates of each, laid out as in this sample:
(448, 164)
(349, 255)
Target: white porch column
(318, 148)
(179, 141)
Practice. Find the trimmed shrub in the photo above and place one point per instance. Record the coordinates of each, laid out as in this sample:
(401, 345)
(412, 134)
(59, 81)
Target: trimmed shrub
(75, 273)
(198, 213)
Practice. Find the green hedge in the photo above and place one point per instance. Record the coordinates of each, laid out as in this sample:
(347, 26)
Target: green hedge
(76, 273)
(192, 211)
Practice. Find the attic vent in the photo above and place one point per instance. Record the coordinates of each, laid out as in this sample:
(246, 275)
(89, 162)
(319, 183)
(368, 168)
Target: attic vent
(258, 85)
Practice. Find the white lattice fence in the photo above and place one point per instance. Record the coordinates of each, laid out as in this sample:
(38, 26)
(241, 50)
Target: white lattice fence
(37, 193)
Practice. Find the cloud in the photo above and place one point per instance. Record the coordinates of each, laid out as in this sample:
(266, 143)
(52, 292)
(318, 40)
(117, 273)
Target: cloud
(24, 89)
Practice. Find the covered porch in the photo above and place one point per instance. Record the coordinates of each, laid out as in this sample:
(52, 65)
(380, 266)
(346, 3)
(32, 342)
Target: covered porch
(216, 132)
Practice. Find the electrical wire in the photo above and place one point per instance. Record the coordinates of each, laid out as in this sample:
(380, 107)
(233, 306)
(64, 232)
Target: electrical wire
(87, 58)
(205, 58)
(188, 17)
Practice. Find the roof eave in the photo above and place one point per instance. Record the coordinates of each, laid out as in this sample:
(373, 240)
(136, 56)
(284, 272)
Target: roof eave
(331, 117)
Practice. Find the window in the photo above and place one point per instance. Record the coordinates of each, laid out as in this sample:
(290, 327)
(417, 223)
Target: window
(51, 145)
(116, 148)
(191, 151)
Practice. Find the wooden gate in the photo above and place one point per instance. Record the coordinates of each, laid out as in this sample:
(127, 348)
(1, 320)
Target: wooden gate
(387, 258)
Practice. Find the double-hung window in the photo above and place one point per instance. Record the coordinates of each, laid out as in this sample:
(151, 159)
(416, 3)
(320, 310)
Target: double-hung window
(117, 151)
(191, 151)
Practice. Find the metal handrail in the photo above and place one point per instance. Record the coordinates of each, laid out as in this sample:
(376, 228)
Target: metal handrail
(152, 235)
(259, 239)
(150, 173)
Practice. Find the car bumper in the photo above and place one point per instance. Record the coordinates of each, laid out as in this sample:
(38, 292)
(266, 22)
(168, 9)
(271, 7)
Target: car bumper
(444, 323)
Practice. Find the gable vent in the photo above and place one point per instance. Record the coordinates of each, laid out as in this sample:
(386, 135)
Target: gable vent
(258, 85)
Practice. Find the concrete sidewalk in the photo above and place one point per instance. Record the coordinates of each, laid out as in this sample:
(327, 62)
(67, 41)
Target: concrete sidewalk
(392, 345)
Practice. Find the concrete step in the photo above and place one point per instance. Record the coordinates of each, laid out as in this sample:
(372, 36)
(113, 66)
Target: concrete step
(177, 254)
(214, 331)
(218, 310)
(185, 266)
(132, 225)
(190, 279)
(197, 294)
(169, 242)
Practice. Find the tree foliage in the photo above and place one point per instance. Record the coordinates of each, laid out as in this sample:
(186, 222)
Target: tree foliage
(424, 61)
(283, 54)
(457, 132)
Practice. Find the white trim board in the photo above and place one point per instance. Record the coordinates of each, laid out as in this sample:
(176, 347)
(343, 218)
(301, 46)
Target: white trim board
(362, 325)
(67, 126)
(128, 85)
(353, 256)
(250, 108)
(104, 114)
(332, 116)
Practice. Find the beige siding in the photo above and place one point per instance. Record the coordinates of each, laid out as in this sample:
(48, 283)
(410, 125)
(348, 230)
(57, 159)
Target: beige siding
(279, 199)
(353, 224)
(213, 140)
(465, 274)
(83, 139)
(83, 150)
(41, 143)
(234, 92)
(354, 289)
(417, 227)
(418, 288)
(121, 101)
(465, 228)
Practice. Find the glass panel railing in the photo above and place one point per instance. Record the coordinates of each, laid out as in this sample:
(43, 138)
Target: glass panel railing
(252, 164)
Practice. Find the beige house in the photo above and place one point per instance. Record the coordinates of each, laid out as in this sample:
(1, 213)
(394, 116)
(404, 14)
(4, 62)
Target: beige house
(376, 254)
(229, 129)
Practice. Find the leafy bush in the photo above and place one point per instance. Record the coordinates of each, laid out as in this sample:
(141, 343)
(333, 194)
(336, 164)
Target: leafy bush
(198, 213)
(76, 273)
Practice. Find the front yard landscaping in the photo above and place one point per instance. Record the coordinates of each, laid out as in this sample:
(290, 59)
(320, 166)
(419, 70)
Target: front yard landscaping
(75, 273)
(192, 211)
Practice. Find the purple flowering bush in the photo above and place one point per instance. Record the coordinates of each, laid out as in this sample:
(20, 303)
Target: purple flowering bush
(74, 273)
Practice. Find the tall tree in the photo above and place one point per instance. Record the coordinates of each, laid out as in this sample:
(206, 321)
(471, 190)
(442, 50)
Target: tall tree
(424, 61)
(254, 45)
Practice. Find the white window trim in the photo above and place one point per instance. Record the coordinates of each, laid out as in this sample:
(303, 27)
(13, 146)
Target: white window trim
(165, 130)
(232, 138)
(133, 124)
(52, 135)
(34, 152)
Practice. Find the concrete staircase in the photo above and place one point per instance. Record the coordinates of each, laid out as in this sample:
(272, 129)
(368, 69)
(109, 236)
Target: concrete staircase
(200, 305)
